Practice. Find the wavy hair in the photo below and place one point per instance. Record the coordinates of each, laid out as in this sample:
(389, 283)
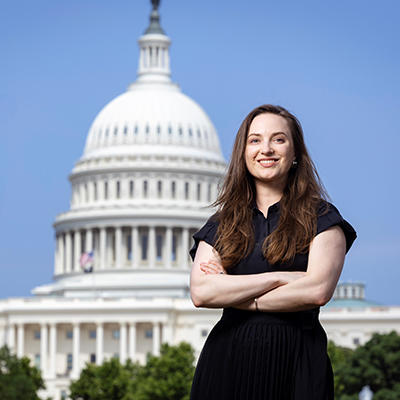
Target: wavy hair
(298, 205)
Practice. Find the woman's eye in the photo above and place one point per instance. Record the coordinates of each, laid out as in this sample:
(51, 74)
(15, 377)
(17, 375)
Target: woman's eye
(280, 140)
(254, 140)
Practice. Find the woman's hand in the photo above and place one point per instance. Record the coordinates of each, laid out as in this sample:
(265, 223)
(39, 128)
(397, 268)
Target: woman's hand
(212, 267)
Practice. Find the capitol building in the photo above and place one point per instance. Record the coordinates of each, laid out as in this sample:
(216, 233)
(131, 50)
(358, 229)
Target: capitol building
(151, 166)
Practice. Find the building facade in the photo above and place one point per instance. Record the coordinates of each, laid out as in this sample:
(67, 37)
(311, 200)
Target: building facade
(151, 166)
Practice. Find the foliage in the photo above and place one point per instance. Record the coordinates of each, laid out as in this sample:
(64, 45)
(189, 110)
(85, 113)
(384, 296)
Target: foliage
(109, 381)
(165, 377)
(18, 379)
(377, 364)
(340, 357)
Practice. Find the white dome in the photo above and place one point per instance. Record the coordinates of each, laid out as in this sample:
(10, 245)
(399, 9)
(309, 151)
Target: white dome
(157, 117)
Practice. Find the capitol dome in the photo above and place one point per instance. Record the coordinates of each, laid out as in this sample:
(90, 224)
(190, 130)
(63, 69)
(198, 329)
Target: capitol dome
(150, 169)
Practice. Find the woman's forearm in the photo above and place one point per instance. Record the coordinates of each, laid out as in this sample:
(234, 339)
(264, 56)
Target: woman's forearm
(222, 290)
(302, 294)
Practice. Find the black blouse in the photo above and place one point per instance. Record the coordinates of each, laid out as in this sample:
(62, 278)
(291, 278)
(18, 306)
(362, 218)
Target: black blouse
(255, 262)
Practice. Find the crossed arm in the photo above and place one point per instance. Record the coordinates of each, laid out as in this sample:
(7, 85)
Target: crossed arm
(276, 291)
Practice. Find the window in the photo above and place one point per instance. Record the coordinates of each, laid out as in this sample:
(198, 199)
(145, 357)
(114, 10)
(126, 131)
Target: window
(159, 243)
(116, 355)
(69, 334)
(159, 189)
(118, 189)
(186, 190)
(105, 190)
(198, 133)
(145, 189)
(204, 332)
(209, 192)
(174, 246)
(69, 362)
(169, 130)
(180, 130)
(36, 334)
(37, 361)
(356, 341)
(86, 192)
(158, 129)
(125, 130)
(173, 189)
(92, 358)
(136, 129)
(95, 191)
(107, 131)
(190, 132)
(129, 247)
(148, 333)
(92, 334)
(144, 243)
(64, 395)
(147, 130)
(115, 131)
(131, 188)
(198, 191)
(116, 334)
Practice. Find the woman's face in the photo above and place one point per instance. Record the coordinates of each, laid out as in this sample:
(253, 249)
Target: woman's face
(269, 151)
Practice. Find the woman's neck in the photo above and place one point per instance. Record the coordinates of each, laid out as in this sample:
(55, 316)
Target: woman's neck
(267, 194)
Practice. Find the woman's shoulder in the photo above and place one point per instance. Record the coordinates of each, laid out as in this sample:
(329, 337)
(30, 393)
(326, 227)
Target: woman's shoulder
(207, 233)
(328, 215)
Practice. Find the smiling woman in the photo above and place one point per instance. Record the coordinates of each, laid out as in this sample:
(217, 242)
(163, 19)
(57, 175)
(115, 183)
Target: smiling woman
(270, 256)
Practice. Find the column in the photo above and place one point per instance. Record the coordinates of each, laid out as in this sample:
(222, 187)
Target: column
(184, 247)
(152, 247)
(77, 250)
(43, 349)
(122, 343)
(132, 340)
(168, 247)
(62, 256)
(68, 252)
(156, 338)
(99, 343)
(89, 240)
(57, 257)
(118, 247)
(135, 246)
(103, 248)
(167, 333)
(20, 340)
(11, 337)
(53, 350)
(76, 333)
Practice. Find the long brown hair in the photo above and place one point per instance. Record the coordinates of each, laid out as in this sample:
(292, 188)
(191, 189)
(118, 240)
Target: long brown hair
(298, 205)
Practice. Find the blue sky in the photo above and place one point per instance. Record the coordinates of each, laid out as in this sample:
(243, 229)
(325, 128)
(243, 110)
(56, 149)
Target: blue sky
(334, 64)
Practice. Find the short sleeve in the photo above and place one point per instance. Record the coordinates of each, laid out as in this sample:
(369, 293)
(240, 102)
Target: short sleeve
(207, 233)
(332, 217)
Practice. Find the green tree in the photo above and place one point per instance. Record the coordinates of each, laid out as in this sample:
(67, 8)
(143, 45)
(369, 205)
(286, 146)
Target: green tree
(18, 379)
(340, 357)
(377, 364)
(109, 381)
(167, 377)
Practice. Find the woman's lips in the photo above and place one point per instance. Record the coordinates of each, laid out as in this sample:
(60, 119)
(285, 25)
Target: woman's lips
(267, 163)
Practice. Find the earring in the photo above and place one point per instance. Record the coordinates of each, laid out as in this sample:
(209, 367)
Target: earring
(294, 163)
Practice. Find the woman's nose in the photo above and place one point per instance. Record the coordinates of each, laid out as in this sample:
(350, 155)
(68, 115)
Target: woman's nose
(266, 147)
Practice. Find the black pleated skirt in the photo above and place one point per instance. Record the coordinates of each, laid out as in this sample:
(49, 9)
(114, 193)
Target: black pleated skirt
(264, 356)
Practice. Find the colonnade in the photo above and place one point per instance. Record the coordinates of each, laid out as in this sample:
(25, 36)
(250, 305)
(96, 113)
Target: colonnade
(15, 340)
(124, 247)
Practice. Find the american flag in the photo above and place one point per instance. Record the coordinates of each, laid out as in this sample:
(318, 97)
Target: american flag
(86, 261)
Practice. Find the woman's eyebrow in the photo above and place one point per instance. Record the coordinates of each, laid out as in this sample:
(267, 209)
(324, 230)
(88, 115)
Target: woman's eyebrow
(273, 134)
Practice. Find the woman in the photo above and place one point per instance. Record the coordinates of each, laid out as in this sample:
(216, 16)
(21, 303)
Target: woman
(270, 257)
